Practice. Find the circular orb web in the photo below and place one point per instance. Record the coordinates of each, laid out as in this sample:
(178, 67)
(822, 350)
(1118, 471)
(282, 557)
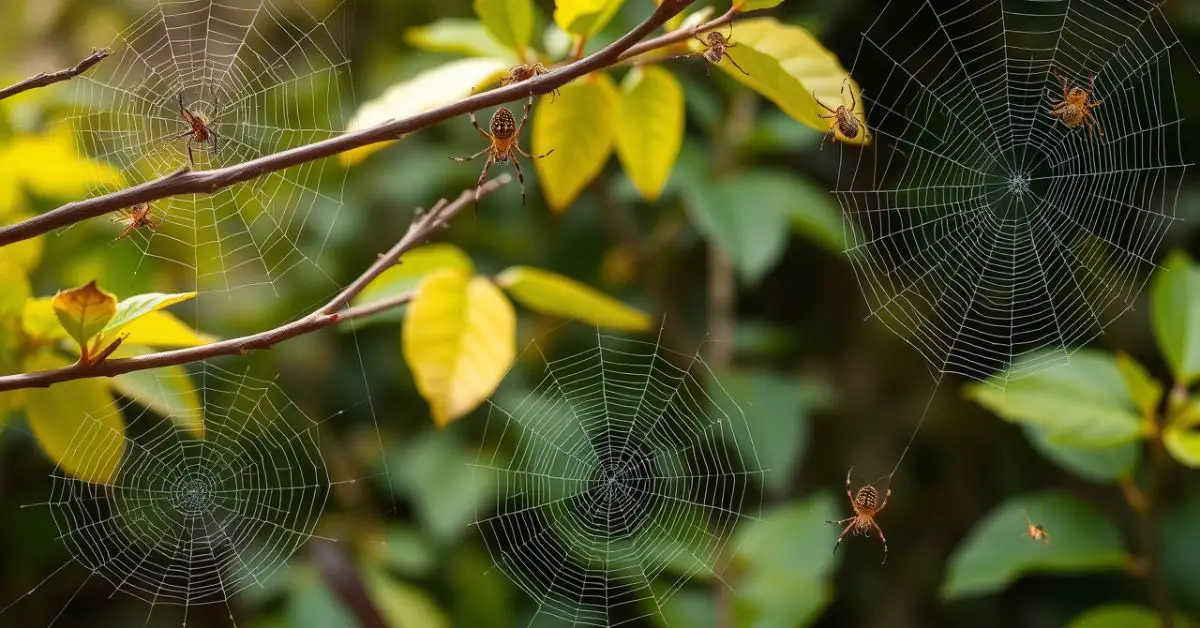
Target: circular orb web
(984, 230)
(268, 77)
(190, 520)
(622, 474)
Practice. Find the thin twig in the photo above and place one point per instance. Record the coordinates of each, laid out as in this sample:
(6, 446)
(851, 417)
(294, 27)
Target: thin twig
(42, 79)
(678, 36)
(185, 181)
(421, 229)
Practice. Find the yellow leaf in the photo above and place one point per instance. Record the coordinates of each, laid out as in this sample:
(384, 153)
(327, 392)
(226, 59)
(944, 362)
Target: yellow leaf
(40, 323)
(428, 90)
(459, 340)
(84, 311)
(135, 307)
(403, 604)
(581, 128)
(465, 37)
(414, 266)
(14, 290)
(49, 165)
(163, 329)
(168, 392)
(26, 254)
(651, 130)
(77, 424)
(585, 17)
(754, 5)
(787, 64)
(550, 293)
(509, 21)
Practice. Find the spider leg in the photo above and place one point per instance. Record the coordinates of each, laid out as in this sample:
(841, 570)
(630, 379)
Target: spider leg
(525, 115)
(887, 495)
(882, 539)
(735, 63)
(182, 111)
(191, 157)
(482, 177)
(175, 136)
(730, 35)
(701, 41)
(853, 100)
(1091, 82)
(825, 107)
(478, 128)
(469, 158)
(521, 151)
(849, 494)
(520, 178)
(843, 534)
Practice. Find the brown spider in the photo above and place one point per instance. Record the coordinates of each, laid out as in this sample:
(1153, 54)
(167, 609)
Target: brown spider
(866, 507)
(1075, 106)
(846, 122)
(716, 47)
(1035, 531)
(503, 141)
(135, 218)
(199, 130)
(525, 71)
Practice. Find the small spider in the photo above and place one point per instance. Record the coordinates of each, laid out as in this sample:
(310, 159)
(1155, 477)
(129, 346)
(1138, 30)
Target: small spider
(846, 122)
(866, 506)
(503, 141)
(1035, 531)
(1075, 106)
(198, 131)
(135, 218)
(716, 47)
(525, 71)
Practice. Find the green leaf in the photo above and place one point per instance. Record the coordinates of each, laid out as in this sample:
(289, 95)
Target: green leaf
(77, 424)
(580, 126)
(84, 312)
(552, 294)
(773, 406)
(459, 36)
(1183, 442)
(754, 5)
(651, 132)
(1145, 391)
(135, 307)
(1121, 616)
(996, 552)
(751, 229)
(436, 472)
(407, 275)
(403, 604)
(1181, 544)
(168, 392)
(509, 21)
(1081, 403)
(1175, 311)
(585, 17)
(1107, 465)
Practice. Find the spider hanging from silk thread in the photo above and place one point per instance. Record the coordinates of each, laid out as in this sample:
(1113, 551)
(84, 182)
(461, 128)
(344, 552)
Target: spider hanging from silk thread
(504, 136)
(866, 506)
(199, 131)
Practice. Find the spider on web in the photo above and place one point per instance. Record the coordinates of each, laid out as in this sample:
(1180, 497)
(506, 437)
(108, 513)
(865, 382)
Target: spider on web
(716, 46)
(1035, 531)
(846, 123)
(136, 217)
(199, 130)
(503, 145)
(866, 506)
(1075, 106)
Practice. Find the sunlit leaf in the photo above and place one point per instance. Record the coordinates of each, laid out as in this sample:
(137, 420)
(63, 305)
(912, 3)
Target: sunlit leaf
(549, 293)
(581, 128)
(49, 165)
(1106, 465)
(509, 21)
(754, 5)
(787, 64)
(585, 17)
(1182, 440)
(26, 254)
(1145, 391)
(459, 339)
(84, 312)
(1121, 616)
(168, 392)
(460, 36)
(77, 424)
(773, 406)
(413, 267)
(651, 130)
(431, 89)
(995, 553)
(135, 307)
(40, 323)
(403, 604)
(14, 291)
(162, 329)
(1175, 311)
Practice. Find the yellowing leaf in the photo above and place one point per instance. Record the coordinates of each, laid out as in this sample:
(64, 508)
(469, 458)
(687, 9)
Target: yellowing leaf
(135, 307)
(459, 340)
(49, 165)
(14, 290)
(414, 266)
(787, 64)
(550, 293)
(26, 254)
(39, 322)
(163, 329)
(77, 424)
(168, 392)
(84, 311)
(754, 5)
(585, 17)
(581, 128)
(428, 90)
(651, 130)
(468, 37)
(509, 21)
(1183, 442)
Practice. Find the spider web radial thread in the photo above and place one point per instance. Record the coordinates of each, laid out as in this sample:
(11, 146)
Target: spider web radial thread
(267, 80)
(620, 476)
(984, 231)
(193, 521)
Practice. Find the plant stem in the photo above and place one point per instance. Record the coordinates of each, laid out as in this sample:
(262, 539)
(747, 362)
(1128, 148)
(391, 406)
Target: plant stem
(1149, 522)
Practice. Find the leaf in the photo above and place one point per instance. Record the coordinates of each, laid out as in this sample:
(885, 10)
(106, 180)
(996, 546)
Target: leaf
(77, 424)
(752, 234)
(39, 321)
(1081, 403)
(14, 291)
(651, 130)
(1183, 442)
(135, 307)
(1175, 312)
(1145, 391)
(459, 340)
(995, 553)
(49, 165)
(1107, 465)
(1181, 544)
(754, 5)
(509, 21)
(460, 36)
(581, 128)
(168, 392)
(552, 294)
(402, 604)
(26, 254)
(442, 85)
(162, 329)
(1121, 616)
(776, 425)
(787, 64)
(407, 275)
(435, 472)
(585, 17)
(84, 312)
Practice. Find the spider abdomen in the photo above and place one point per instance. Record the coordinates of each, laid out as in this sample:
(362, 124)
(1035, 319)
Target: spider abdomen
(503, 124)
(867, 498)
(847, 123)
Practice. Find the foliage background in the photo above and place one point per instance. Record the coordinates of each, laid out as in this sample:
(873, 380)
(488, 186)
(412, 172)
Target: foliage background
(830, 388)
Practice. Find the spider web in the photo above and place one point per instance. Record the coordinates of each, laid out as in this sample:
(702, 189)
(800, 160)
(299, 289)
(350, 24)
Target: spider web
(624, 480)
(991, 236)
(267, 82)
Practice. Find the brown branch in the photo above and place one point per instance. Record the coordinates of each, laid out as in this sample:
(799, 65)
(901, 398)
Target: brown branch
(678, 36)
(185, 181)
(421, 229)
(42, 79)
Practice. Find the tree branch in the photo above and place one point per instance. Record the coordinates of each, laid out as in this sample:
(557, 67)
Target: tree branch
(678, 36)
(185, 181)
(424, 225)
(42, 79)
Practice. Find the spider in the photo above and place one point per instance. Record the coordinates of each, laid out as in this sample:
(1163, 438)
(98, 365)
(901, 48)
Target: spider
(846, 122)
(503, 141)
(1035, 531)
(135, 218)
(716, 46)
(866, 507)
(524, 72)
(1075, 107)
(198, 131)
